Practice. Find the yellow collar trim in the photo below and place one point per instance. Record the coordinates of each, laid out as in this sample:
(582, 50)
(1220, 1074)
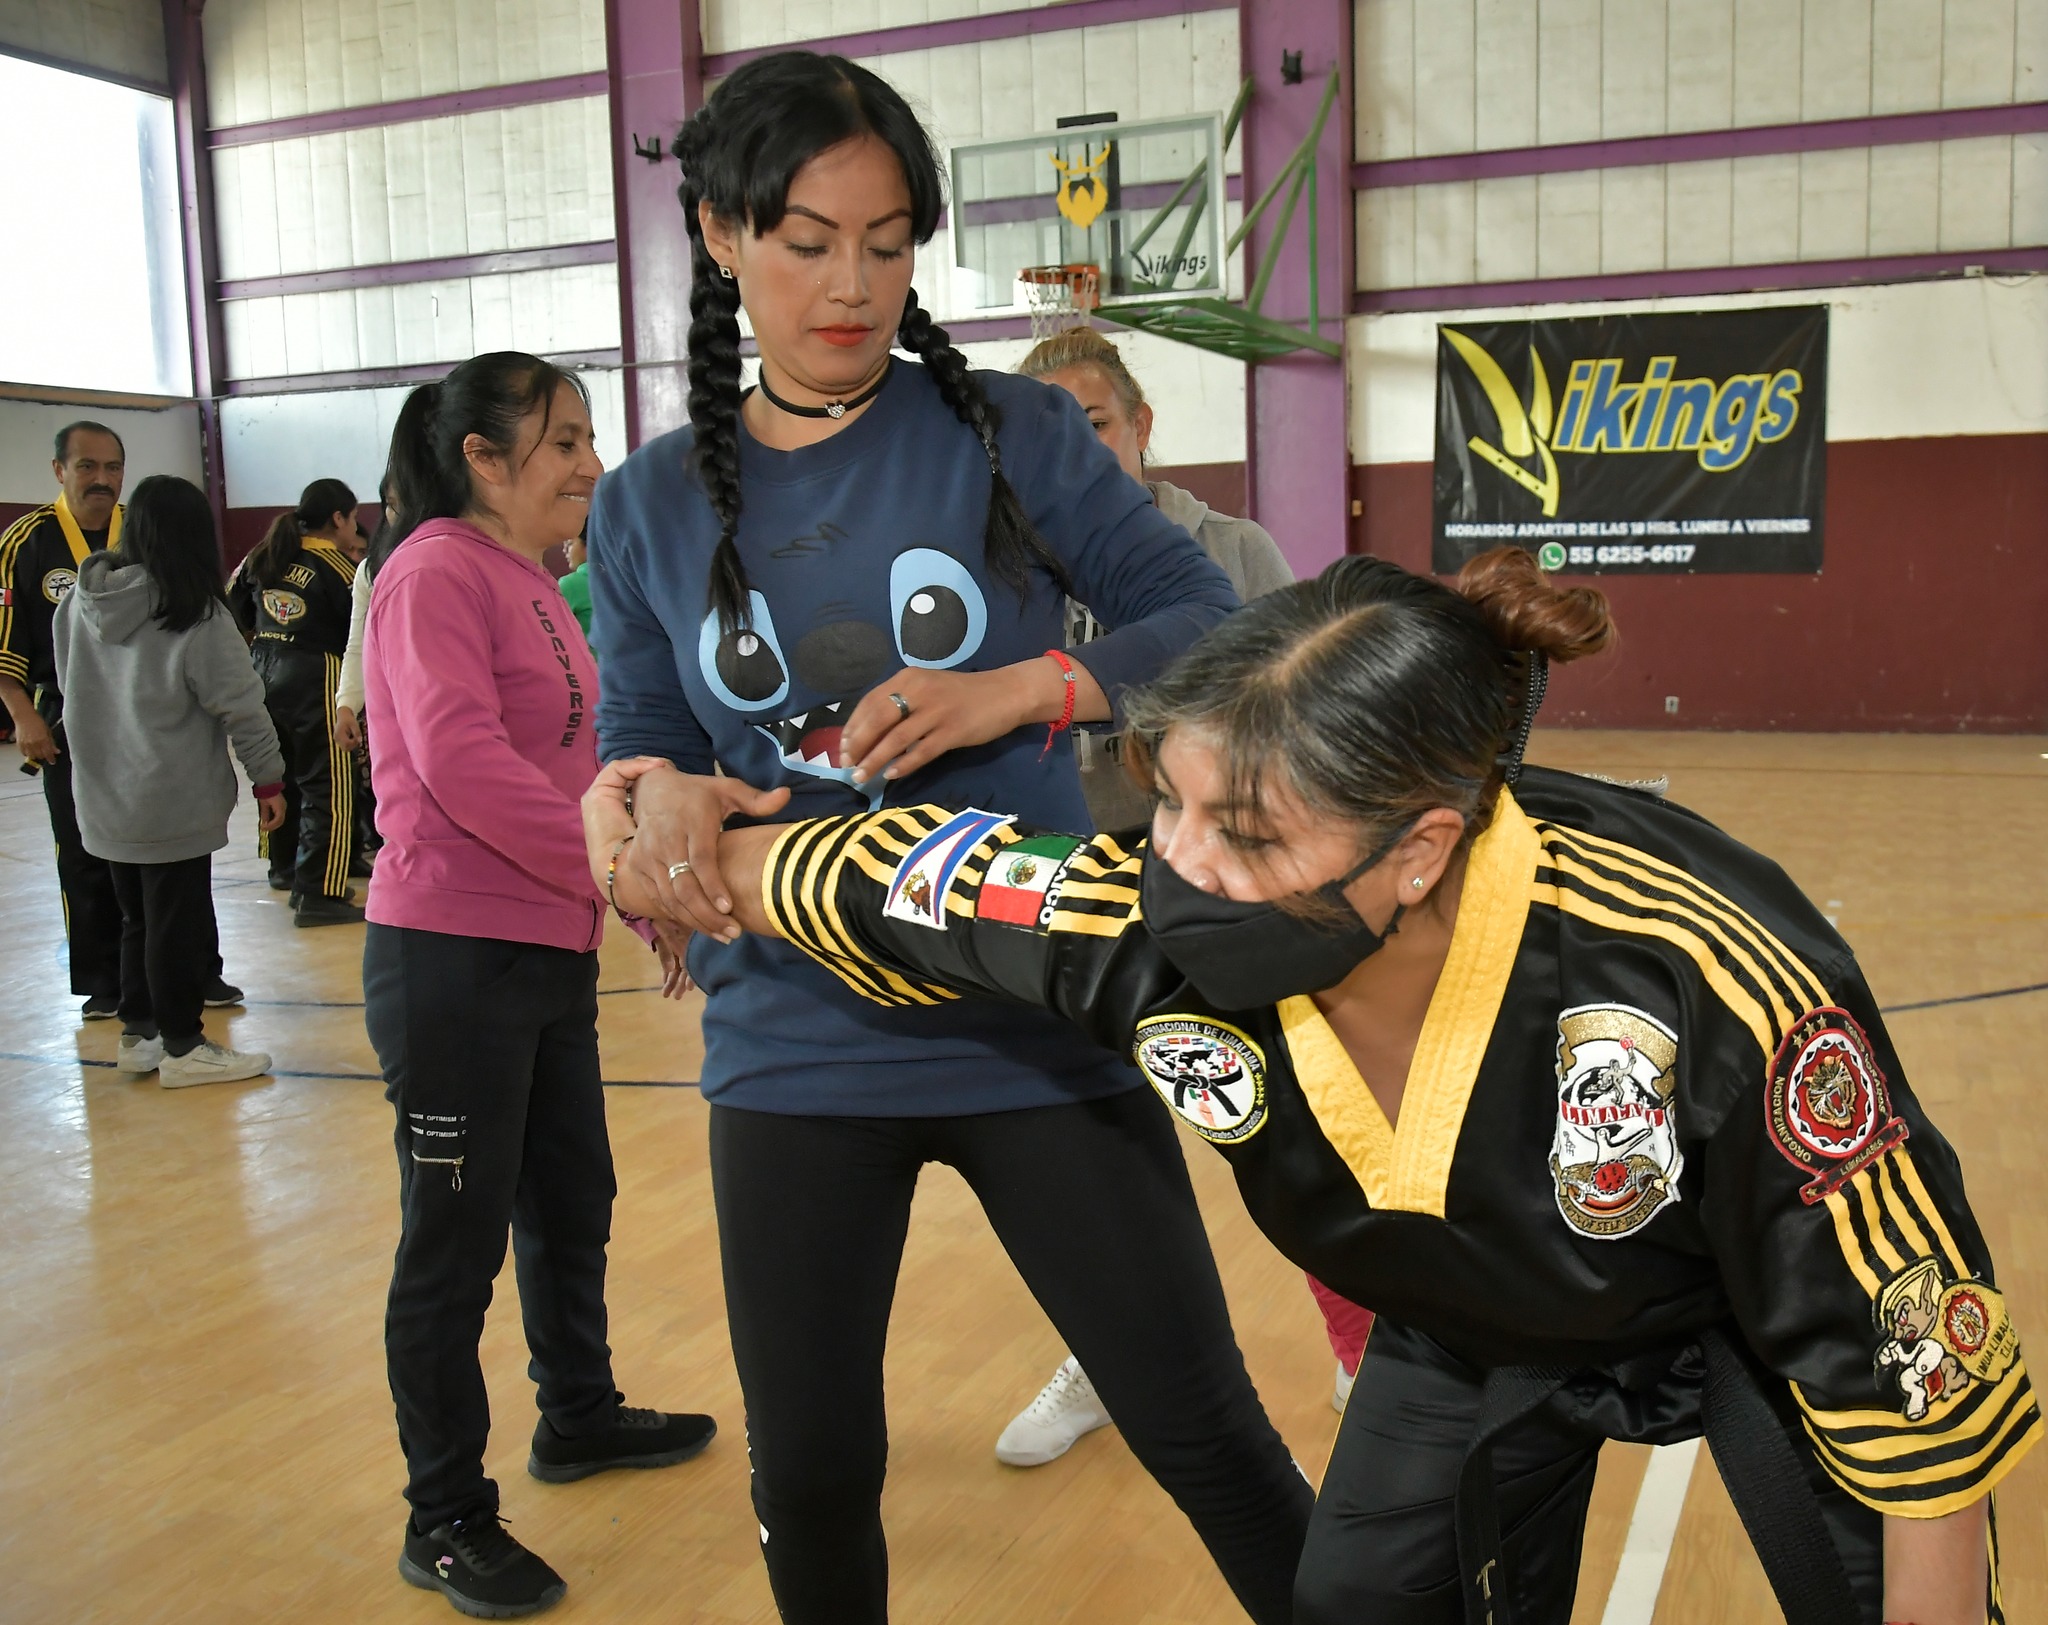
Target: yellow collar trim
(74, 535)
(1407, 1168)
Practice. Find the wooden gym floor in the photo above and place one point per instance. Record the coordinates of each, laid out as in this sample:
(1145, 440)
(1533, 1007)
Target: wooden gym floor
(193, 1419)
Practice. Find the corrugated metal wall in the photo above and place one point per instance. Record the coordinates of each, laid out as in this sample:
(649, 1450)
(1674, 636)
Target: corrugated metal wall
(120, 37)
(1454, 76)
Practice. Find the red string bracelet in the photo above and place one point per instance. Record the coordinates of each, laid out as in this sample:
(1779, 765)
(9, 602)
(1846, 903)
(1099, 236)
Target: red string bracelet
(1054, 729)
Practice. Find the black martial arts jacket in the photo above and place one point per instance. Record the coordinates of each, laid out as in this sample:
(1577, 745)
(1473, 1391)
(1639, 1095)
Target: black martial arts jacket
(309, 607)
(1652, 1093)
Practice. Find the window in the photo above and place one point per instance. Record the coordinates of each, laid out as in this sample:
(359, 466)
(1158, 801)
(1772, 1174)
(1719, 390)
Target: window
(92, 282)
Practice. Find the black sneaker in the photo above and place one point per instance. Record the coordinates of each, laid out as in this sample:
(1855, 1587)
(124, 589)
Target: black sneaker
(100, 1007)
(479, 1568)
(313, 911)
(222, 994)
(281, 882)
(639, 1438)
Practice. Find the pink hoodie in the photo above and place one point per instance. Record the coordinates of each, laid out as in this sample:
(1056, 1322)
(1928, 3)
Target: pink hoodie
(482, 697)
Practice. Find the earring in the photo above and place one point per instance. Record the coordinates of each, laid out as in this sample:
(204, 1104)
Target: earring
(1416, 883)
(726, 272)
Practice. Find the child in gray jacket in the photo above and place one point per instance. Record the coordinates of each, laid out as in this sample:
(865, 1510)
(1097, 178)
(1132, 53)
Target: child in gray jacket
(157, 681)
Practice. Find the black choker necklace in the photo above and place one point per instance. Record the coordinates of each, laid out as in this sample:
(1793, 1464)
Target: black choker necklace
(838, 409)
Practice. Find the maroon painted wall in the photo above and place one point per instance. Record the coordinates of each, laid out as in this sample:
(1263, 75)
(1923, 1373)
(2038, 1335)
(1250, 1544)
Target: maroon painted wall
(1930, 613)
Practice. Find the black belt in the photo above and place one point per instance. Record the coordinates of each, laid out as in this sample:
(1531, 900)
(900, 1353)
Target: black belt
(1763, 1473)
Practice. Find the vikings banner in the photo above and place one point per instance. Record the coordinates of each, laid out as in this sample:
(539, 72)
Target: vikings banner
(1646, 443)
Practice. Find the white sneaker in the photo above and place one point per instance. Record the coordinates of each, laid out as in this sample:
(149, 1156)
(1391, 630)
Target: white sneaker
(208, 1062)
(1340, 1396)
(1046, 1429)
(139, 1055)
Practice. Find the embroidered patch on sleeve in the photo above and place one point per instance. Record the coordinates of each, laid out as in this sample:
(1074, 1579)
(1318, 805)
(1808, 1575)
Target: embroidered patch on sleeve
(1828, 1109)
(1024, 880)
(1939, 1338)
(918, 890)
(1209, 1073)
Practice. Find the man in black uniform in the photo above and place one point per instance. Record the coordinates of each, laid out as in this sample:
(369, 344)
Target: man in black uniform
(39, 559)
(292, 597)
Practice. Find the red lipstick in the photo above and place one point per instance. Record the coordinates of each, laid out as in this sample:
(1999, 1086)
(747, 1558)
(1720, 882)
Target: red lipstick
(845, 337)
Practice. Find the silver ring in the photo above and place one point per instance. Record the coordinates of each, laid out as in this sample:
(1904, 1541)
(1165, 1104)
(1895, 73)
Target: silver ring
(676, 871)
(902, 706)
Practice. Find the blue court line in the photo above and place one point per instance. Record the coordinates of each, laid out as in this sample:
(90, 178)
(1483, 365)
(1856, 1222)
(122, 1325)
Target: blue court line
(1967, 998)
(343, 1077)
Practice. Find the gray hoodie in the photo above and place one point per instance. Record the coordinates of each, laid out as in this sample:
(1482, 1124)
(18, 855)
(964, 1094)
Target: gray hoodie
(1255, 565)
(148, 715)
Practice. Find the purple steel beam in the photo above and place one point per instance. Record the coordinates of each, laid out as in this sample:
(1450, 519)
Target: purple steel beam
(653, 52)
(972, 30)
(1755, 141)
(570, 87)
(1297, 450)
(309, 383)
(185, 54)
(499, 263)
(1704, 280)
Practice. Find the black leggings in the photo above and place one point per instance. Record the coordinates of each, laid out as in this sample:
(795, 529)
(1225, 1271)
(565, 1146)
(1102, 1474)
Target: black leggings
(1383, 1546)
(1092, 1202)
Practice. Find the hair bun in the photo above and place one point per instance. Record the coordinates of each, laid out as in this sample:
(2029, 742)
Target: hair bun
(1526, 611)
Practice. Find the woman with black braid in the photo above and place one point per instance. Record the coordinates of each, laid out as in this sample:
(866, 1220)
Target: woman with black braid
(841, 588)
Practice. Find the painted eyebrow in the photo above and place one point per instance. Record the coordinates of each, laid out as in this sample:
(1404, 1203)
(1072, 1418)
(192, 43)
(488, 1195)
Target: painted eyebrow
(812, 214)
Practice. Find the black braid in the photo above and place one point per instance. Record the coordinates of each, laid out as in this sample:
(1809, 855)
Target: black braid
(1010, 542)
(714, 403)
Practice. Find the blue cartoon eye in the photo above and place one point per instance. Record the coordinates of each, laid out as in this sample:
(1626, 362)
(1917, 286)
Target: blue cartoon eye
(939, 612)
(744, 667)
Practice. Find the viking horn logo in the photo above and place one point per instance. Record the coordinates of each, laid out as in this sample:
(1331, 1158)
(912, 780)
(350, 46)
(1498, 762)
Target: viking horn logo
(1080, 192)
(1523, 430)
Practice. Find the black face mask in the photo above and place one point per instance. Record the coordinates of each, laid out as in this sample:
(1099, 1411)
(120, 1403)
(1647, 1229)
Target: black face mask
(1245, 956)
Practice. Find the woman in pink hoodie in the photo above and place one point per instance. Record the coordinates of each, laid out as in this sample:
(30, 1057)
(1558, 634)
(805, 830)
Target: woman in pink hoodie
(480, 965)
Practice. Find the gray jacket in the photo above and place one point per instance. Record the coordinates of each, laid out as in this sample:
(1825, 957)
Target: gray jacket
(148, 715)
(1255, 565)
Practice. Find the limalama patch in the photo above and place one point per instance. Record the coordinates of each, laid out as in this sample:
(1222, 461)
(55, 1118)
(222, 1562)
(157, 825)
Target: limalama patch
(1614, 1156)
(1023, 883)
(1212, 1075)
(918, 890)
(1827, 1106)
(283, 607)
(1939, 1337)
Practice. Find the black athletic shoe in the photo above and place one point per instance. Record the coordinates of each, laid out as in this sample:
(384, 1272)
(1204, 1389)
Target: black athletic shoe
(639, 1438)
(100, 1007)
(479, 1568)
(281, 882)
(326, 911)
(222, 994)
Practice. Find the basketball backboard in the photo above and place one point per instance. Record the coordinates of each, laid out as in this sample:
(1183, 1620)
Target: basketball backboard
(1139, 198)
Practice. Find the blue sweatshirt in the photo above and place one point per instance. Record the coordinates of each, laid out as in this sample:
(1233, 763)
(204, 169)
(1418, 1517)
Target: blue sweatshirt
(865, 556)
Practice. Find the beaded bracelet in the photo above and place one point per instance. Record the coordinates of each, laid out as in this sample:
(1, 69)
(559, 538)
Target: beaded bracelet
(611, 876)
(1054, 729)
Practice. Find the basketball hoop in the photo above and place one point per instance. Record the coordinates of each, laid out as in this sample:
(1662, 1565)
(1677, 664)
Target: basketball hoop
(1060, 296)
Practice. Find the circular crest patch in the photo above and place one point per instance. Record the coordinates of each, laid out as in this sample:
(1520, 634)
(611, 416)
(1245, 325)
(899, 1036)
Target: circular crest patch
(283, 607)
(1212, 1075)
(1829, 1110)
(57, 583)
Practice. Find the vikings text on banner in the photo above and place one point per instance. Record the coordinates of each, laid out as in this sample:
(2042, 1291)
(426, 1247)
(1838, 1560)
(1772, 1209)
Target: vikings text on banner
(1646, 443)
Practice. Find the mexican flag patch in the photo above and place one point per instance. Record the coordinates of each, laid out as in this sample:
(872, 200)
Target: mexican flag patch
(1019, 887)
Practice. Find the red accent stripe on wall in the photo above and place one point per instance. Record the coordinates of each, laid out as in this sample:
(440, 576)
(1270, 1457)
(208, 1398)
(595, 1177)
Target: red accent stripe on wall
(1926, 616)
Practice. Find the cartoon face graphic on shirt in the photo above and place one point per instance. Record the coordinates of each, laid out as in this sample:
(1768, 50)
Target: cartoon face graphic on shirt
(798, 676)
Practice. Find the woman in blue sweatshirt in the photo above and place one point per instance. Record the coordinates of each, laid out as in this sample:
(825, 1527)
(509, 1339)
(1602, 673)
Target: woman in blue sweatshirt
(840, 589)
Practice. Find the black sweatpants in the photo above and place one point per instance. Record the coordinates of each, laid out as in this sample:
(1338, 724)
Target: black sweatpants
(92, 913)
(169, 944)
(316, 843)
(489, 1054)
(1092, 1202)
(1383, 1545)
